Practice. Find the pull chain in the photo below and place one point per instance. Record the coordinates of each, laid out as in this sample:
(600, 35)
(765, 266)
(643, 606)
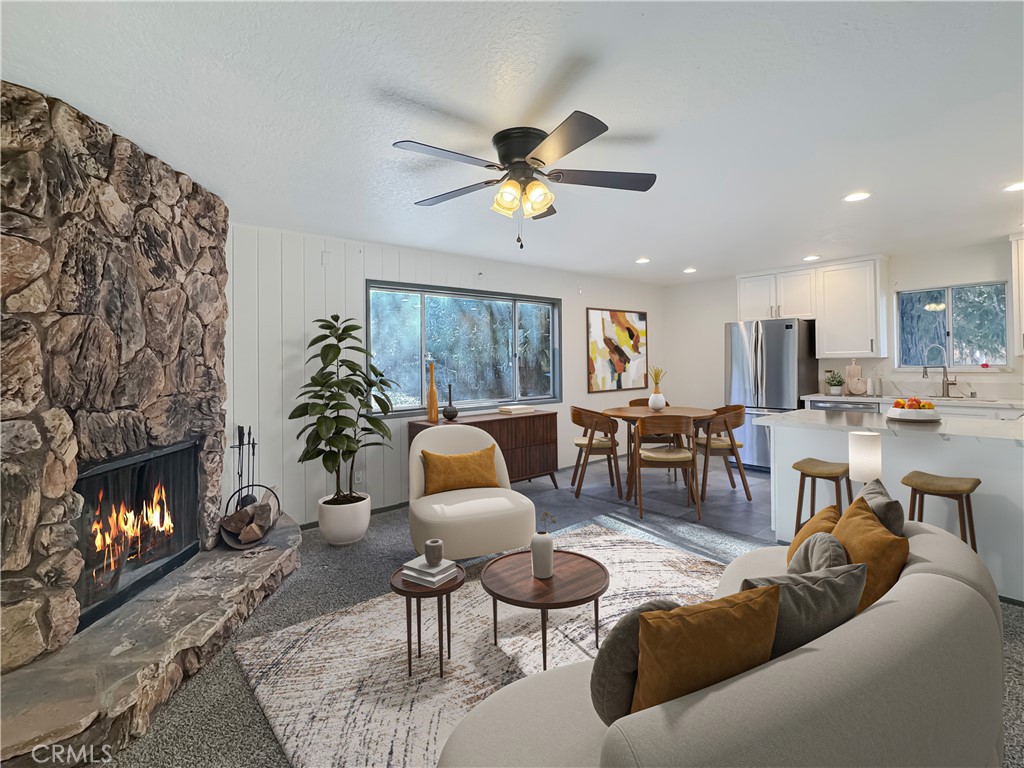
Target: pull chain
(519, 238)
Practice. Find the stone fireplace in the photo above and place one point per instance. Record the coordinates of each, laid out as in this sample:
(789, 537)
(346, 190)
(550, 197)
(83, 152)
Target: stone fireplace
(112, 369)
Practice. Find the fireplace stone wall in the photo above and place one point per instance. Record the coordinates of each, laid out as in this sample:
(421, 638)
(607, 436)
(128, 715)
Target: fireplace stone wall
(113, 278)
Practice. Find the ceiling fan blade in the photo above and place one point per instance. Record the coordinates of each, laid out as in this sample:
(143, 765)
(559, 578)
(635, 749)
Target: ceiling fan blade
(636, 182)
(445, 154)
(549, 212)
(575, 131)
(458, 192)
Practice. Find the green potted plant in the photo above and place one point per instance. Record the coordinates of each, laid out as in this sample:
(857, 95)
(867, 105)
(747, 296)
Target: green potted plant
(834, 381)
(340, 399)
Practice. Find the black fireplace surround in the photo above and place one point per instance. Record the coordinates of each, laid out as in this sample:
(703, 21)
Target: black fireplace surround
(140, 521)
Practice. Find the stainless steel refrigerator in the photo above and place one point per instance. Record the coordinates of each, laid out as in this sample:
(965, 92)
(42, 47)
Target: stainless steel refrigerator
(769, 365)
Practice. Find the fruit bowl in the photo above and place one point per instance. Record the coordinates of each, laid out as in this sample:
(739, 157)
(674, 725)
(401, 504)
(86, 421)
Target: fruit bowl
(913, 409)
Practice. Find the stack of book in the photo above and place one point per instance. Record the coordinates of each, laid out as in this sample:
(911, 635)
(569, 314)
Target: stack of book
(418, 572)
(514, 409)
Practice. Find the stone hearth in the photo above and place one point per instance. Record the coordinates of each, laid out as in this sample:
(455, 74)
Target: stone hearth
(101, 689)
(113, 277)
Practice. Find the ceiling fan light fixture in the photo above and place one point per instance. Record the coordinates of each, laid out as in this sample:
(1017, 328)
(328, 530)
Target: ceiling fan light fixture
(506, 199)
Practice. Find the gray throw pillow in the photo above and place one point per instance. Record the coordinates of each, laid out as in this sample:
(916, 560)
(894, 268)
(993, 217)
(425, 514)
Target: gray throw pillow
(813, 604)
(887, 509)
(818, 552)
(614, 674)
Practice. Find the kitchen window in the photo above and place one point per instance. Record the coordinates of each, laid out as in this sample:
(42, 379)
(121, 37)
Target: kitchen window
(491, 347)
(960, 326)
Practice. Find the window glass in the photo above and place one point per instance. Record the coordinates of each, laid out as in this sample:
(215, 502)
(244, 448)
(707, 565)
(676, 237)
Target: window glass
(470, 341)
(961, 326)
(533, 340)
(922, 327)
(395, 339)
(979, 324)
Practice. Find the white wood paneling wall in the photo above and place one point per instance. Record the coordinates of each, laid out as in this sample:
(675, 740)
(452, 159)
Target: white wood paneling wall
(279, 282)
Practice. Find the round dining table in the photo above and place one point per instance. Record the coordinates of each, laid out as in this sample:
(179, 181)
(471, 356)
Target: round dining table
(632, 413)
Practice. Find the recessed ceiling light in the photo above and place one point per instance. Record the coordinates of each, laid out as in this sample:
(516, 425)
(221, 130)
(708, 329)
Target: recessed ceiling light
(1018, 187)
(642, 261)
(811, 258)
(689, 271)
(856, 197)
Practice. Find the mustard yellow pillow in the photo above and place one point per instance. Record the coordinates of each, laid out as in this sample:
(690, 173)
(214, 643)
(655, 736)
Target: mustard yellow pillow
(866, 540)
(454, 471)
(823, 522)
(694, 646)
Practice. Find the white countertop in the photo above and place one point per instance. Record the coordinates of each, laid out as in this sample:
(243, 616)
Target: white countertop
(887, 400)
(844, 421)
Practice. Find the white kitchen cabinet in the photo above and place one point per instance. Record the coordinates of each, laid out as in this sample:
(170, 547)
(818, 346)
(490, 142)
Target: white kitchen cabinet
(781, 294)
(851, 310)
(795, 292)
(1017, 286)
(756, 297)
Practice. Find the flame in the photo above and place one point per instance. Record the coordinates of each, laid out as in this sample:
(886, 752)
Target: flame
(119, 530)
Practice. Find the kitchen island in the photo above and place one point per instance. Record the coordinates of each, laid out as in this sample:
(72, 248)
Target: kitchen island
(992, 450)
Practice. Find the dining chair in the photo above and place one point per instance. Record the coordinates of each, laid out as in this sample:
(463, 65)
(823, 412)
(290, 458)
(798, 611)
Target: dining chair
(640, 402)
(719, 439)
(598, 439)
(679, 455)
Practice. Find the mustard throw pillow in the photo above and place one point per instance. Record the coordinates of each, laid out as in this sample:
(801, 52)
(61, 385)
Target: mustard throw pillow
(866, 540)
(692, 647)
(454, 471)
(823, 522)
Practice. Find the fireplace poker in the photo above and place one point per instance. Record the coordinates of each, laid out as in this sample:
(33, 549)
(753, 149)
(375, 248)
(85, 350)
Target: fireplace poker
(252, 460)
(241, 439)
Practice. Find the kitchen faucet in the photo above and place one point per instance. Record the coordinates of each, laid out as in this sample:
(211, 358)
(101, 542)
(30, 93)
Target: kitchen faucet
(946, 381)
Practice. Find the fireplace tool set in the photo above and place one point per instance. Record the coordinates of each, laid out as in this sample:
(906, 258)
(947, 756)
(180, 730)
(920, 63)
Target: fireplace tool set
(247, 520)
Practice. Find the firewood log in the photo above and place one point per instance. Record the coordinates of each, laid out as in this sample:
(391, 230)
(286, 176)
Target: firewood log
(238, 519)
(250, 533)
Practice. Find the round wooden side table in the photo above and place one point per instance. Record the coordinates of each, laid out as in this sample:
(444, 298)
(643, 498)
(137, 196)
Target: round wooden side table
(410, 590)
(576, 580)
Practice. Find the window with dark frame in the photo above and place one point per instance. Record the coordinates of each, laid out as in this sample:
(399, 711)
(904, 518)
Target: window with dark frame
(492, 348)
(960, 326)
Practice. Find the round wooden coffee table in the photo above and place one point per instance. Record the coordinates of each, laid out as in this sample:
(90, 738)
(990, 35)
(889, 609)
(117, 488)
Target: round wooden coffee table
(576, 579)
(410, 590)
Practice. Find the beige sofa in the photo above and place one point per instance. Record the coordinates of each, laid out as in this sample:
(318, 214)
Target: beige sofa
(916, 679)
(471, 521)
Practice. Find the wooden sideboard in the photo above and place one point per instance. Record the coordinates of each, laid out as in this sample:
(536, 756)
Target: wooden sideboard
(528, 441)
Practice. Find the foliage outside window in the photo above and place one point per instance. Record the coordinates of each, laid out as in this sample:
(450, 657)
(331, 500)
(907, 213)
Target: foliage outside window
(959, 326)
(491, 348)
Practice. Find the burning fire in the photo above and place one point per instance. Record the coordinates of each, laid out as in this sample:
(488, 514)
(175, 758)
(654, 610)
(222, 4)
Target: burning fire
(119, 530)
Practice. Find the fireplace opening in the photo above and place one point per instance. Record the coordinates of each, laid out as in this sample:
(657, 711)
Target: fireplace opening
(140, 522)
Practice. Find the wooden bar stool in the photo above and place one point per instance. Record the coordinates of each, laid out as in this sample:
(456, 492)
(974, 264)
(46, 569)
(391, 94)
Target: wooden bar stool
(816, 469)
(922, 484)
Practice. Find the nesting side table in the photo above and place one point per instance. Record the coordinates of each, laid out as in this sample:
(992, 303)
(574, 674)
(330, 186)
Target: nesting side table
(410, 590)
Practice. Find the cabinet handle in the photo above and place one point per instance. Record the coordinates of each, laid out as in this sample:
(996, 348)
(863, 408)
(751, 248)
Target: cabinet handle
(778, 310)
(872, 345)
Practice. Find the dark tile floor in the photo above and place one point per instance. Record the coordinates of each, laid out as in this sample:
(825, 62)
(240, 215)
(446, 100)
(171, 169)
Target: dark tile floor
(725, 509)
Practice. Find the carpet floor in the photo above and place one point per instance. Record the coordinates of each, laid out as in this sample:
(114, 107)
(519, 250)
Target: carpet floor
(215, 720)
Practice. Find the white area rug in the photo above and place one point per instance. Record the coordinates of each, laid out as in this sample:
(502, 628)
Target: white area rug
(336, 688)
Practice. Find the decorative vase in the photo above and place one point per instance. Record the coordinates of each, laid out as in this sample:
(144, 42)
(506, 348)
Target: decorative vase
(450, 412)
(542, 547)
(433, 549)
(657, 400)
(343, 523)
(432, 397)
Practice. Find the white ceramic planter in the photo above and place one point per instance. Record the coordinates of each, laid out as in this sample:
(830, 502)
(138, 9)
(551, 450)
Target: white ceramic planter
(542, 546)
(835, 390)
(656, 401)
(343, 523)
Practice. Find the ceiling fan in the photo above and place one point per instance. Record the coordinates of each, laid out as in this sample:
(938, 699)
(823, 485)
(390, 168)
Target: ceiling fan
(522, 153)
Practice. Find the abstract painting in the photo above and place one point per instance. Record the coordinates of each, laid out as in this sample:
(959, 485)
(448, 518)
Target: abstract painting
(616, 350)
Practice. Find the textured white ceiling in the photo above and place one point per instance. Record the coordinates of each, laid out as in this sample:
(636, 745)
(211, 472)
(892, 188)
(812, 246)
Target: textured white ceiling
(756, 117)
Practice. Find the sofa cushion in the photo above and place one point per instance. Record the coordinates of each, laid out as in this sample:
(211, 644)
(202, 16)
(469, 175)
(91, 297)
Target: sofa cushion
(455, 471)
(887, 509)
(813, 604)
(818, 552)
(614, 675)
(694, 646)
(866, 540)
(823, 522)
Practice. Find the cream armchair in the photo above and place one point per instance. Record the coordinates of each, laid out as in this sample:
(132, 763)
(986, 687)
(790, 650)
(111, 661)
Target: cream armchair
(471, 521)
